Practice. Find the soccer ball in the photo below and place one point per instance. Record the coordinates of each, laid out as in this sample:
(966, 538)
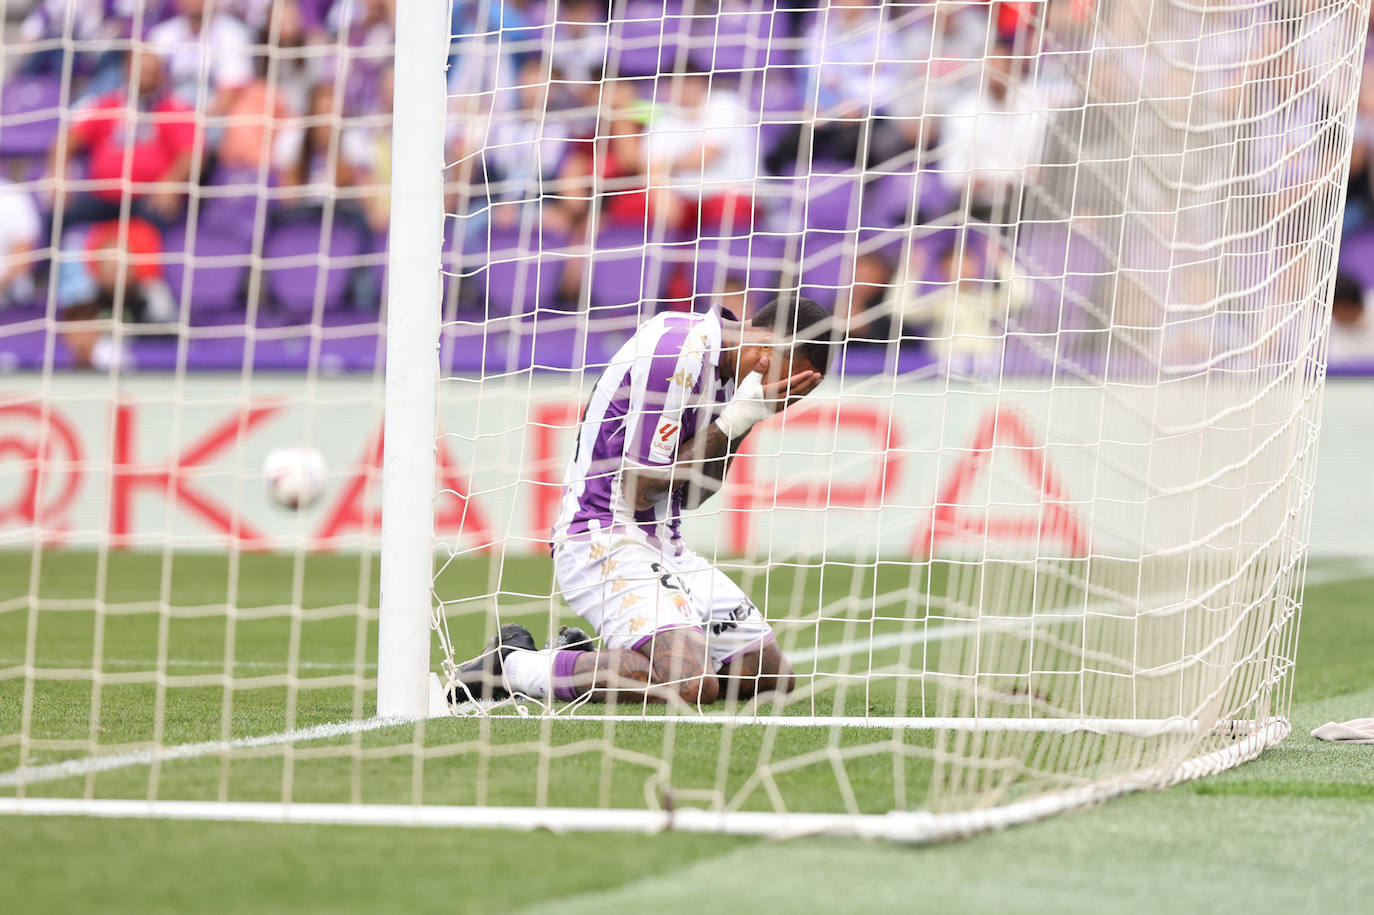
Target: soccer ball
(295, 475)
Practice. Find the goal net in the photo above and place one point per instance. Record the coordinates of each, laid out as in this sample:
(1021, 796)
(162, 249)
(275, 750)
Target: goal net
(1038, 538)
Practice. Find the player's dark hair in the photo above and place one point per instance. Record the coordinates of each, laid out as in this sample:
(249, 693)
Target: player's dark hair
(802, 321)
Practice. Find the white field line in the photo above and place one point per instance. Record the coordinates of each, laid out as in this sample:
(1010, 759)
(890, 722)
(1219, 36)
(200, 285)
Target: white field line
(71, 663)
(1316, 576)
(880, 642)
(834, 650)
(73, 767)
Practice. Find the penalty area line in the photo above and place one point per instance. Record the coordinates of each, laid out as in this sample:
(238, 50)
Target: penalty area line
(1320, 574)
(78, 663)
(70, 768)
(881, 642)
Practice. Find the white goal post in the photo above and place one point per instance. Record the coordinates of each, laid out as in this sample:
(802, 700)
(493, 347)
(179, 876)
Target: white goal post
(412, 356)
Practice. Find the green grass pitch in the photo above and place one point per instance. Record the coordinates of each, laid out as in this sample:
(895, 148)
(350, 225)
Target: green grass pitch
(1292, 831)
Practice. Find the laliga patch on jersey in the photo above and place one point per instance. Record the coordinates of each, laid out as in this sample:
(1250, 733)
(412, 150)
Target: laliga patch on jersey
(664, 443)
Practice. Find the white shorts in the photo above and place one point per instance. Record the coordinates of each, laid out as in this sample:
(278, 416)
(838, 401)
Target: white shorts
(629, 591)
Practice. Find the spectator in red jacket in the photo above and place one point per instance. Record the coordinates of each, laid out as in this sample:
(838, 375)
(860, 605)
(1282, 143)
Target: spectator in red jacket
(138, 143)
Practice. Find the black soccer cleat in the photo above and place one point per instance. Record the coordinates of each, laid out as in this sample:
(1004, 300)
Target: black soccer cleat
(481, 677)
(572, 638)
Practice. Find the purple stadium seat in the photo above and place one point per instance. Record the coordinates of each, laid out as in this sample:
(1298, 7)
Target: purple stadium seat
(644, 38)
(28, 116)
(508, 271)
(887, 200)
(609, 326)
(1357, 257)
(1086, 266)
(519, 284)
(624, 270)
(231, 203)
(215, 272)
(741, 39)
(827, 195)
(889, 242)
(294, 253)
(1064, 269)
(26, 350)
(833, 195)
(826, 264)
(779, 103)
(889, 195)
(234, 217)
(755, 262)
(779, 95)
(716, 261)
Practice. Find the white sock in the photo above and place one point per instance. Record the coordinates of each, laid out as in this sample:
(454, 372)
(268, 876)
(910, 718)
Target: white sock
(529, 672)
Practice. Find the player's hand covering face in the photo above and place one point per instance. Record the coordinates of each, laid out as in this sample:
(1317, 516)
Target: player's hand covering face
(786, 380)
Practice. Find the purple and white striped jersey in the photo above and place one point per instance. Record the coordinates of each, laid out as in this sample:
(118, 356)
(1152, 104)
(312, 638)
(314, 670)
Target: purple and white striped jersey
(658, 390)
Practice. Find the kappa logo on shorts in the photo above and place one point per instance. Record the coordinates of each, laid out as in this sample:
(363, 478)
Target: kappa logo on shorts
(596, 550)
(638, 623)
(618, 585)
(629, 600)
(608, 567)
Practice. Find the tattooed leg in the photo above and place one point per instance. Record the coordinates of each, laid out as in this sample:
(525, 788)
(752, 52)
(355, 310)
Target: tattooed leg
(671, 667)
(617, 674)
(680, 660)
(757, 672)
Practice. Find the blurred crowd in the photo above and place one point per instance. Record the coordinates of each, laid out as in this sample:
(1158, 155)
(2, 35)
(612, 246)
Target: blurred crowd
(240, 121)
(286, 101)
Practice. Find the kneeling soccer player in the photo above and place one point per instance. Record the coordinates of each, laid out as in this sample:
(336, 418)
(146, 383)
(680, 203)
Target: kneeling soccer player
(658, 434)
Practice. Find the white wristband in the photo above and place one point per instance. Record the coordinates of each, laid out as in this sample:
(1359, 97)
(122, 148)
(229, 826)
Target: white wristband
(746, 410)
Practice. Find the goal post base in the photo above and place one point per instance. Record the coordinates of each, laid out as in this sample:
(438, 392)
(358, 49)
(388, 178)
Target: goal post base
(438, 702)
(900, 826)
(1122, 727)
